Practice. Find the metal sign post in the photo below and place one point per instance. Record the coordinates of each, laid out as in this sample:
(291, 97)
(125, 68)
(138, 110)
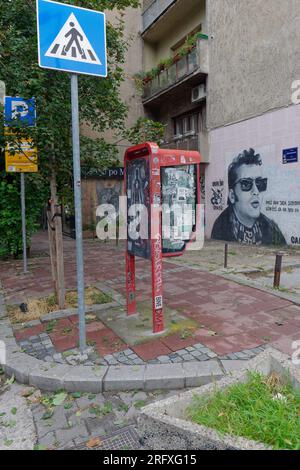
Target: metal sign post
(73, 39)
(25, 265)
(23, 159)
(78, 210)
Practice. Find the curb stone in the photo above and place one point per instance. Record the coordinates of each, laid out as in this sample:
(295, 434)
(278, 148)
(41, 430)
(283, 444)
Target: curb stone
(51, 376)
(54, 377)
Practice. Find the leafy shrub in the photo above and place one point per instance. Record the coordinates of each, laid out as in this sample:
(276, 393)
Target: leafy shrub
(10, 212)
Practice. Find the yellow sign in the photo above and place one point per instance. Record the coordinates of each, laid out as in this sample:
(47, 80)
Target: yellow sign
(20, 157)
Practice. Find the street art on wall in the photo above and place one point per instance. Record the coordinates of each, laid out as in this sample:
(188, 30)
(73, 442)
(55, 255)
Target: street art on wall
(138, 194)
(108, 192)
(254, 192)
(180, 196)
(217, 199)
(243, 221)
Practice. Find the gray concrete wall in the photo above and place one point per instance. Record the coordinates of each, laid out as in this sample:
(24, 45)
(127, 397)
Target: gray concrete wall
(254, 57)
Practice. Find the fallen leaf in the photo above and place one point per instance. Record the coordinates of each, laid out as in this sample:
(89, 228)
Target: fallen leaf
(10, 381)
(8, 442)
(14, 411)
(40, 447)
(27, 392)
(119, 422)
(93, 443)
(59, 398)
(47, 415)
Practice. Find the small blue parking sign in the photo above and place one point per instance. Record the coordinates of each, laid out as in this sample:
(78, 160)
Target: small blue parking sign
(71, 39)
(19, 112)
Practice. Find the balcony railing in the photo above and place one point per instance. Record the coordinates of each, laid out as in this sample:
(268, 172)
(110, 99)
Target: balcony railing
(154, 11)
(184, 142)
(197, 59)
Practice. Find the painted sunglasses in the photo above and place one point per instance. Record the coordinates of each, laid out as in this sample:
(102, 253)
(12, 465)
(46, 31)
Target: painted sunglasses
(247, 184)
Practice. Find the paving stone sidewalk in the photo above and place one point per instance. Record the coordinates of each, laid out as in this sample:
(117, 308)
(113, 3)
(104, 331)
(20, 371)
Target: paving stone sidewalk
(17, 430)
(89, 421)
(230, 318)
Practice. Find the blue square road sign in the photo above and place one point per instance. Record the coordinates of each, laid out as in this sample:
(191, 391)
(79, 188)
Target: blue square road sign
(19, 112)
(71, 39)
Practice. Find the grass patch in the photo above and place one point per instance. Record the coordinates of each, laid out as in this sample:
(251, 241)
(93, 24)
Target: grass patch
(263, 409)
(285, 290)
(39, 307)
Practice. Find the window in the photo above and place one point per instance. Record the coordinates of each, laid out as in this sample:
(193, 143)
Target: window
(186, 125)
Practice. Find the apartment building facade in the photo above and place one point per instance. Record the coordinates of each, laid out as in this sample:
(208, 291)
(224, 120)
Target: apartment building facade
(229, 95)
(175, 55)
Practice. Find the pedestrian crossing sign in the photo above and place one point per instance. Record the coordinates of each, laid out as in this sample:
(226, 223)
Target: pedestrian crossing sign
(71, 39)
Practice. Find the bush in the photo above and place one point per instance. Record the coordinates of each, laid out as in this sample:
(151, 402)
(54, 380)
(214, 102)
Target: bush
(10, 212)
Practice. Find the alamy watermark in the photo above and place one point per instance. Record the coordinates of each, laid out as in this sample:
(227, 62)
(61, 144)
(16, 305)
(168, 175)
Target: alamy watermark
(179, 222)
(296, 353)
(296, 92)
(2, 353)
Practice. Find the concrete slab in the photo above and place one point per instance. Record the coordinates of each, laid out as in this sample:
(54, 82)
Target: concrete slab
(85, 379)
(48, 377)
(124, 378)
(230, 366)
(21, 435)
(164, 376)
(138, 328)
(201, 373)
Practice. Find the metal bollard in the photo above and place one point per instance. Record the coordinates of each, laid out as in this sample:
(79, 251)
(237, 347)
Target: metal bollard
(226, 256)
(277, 270)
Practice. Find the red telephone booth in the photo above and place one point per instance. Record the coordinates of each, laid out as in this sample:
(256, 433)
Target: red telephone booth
(159, 185)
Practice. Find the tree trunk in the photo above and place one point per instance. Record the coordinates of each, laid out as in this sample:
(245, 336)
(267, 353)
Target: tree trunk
(56, 242)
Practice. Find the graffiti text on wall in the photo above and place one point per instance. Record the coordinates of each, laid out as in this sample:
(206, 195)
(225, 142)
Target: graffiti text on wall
(283, 206)
(217, 199)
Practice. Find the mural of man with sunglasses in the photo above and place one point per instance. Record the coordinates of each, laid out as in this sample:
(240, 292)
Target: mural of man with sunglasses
(242, 220)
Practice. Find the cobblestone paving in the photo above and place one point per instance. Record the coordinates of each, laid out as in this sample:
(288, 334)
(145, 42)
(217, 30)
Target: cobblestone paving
(41, 347)
(83, 420)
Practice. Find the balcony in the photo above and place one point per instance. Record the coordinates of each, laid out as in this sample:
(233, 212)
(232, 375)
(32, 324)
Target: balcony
(183, 142)
(154, 11)
(186, 68)
(193, 141)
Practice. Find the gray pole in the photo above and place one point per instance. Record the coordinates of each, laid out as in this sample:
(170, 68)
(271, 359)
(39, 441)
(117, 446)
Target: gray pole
(78, 210)
(25, 267)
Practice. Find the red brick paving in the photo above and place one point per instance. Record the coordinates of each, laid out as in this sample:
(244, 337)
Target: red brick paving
(94, 326)
(242, 316)
(106, 341)
(176, 342)
(151, 350)
(62, 344)
(27, 332)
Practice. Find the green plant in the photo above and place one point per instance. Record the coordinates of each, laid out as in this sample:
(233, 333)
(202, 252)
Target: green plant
(142, 78)
(139, 404)
(101, 107)
(50, 326)
(10, 212)
(263, 409)
(146, 130)
(100, 298)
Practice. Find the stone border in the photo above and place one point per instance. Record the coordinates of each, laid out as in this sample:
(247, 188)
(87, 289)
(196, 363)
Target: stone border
(164, 426)
(95, 379)
(52, 376)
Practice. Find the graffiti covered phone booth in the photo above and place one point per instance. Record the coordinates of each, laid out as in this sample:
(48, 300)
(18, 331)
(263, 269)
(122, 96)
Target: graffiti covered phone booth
(163, 200)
